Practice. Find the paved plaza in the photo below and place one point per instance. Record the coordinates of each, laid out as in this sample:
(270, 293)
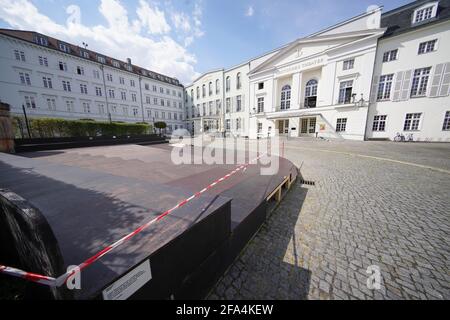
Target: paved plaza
(373, 203)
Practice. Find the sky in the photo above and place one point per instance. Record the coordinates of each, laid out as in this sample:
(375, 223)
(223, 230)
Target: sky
(181, 38)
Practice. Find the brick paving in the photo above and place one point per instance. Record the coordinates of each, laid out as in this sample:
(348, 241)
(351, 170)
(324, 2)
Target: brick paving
(362, 211)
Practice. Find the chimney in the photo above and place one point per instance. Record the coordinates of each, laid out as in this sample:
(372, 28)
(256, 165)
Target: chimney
(129, 61)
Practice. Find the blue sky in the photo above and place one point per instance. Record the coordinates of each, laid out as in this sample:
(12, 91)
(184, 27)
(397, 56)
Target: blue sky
(181, 37)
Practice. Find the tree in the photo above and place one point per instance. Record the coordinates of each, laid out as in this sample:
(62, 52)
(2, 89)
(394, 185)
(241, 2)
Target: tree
(160, 125)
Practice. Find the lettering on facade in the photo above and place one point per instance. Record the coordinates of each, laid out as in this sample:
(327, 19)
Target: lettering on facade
(302, 66)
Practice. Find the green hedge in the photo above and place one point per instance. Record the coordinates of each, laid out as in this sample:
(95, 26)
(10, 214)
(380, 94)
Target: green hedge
(52, 128)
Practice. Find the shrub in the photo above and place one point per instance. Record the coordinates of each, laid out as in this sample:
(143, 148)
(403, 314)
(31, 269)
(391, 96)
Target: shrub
(52, 127)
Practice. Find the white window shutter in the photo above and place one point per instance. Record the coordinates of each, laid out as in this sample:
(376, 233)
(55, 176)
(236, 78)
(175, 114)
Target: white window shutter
(436, 80)
(243, 102)
(406, 85)
(374, 93)
(397, 86)
(444, 89)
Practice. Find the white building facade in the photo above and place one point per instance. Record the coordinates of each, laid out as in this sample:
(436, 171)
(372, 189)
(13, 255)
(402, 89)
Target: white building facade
(370, 77)
(51, 78)
(411, 84)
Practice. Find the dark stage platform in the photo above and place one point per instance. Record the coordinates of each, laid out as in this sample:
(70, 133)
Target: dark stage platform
(88, 198)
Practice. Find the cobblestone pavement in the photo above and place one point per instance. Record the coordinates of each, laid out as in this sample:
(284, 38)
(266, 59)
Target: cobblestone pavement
(362, 211)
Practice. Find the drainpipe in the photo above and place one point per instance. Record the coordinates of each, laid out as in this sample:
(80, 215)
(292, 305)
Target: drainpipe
(142, 102)
(106, 94)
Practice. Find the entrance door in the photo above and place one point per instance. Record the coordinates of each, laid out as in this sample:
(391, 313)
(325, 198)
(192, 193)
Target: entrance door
(283, 127)
(307, 126)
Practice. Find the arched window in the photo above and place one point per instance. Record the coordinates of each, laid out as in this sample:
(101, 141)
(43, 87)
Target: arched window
(210, 88)
(217, 86)
(238, 81)
(228, 84)
(286, 97)
(204, 91)
(192, 95)
(311, 94)
(198, 93)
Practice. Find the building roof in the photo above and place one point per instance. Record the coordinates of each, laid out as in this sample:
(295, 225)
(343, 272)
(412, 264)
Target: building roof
(74, 50)
(399, 20)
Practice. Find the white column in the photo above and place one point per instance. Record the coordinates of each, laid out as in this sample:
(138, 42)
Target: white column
(296, 90)
(274, 95)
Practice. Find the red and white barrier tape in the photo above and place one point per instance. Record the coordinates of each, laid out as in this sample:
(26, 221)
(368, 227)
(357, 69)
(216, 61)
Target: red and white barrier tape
(57, 282)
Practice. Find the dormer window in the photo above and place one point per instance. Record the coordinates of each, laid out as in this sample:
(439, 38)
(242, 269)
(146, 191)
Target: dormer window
(425, 12)
(43, 41)
(84, 54)
(101, 59)
(64, 47)
(116, 64)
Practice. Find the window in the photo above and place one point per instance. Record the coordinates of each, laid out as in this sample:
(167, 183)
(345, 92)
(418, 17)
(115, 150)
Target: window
(62, 66)
(349, 64)
(121, 80)
(217, 86)
(286, 97)
(123, 95)
(114, 109)
(345, 91)
(260, 104)
(161, 90)
(66, 85)
(19, 55)
(149, 113)
(204, 109)
(238, 81)
(163, 115)
(238, 103)
(210, 91)
(47, 82)
(147, 86)
(341, 124)
(101, 109)
(390, 55)
(423, 14)
(203, 91)
(125, 111)
(111, 93)
(260, 127)
(428, 46)
(420, 82)
(98, 91)
(109, 77)
(228, 105)
(86, 107)
(116, 64)
(154, 88)
(51, 104)
(70, 106)
(101, 59)
(379, 123)
(30, 102)
(132, 83)
(412, 122)
(384, 87)
(228, 84)
(84, 54)
(43, 61)
(311, 94)
(83, 88)
(162, 102)
(260, 85)
(198, 92)
(175, 116)
(135, 112)
(228, 124)
(25, 78)
(41, 40)
(218, 107)
(446, 125)
(96, 74)
(80, 70)
(133, 97)
(238, 124)
(64, 47)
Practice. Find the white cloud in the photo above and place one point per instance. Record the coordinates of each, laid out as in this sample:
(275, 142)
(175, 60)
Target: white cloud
(146, 40)
(152, 18)
(250, 11)
(181, 21)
